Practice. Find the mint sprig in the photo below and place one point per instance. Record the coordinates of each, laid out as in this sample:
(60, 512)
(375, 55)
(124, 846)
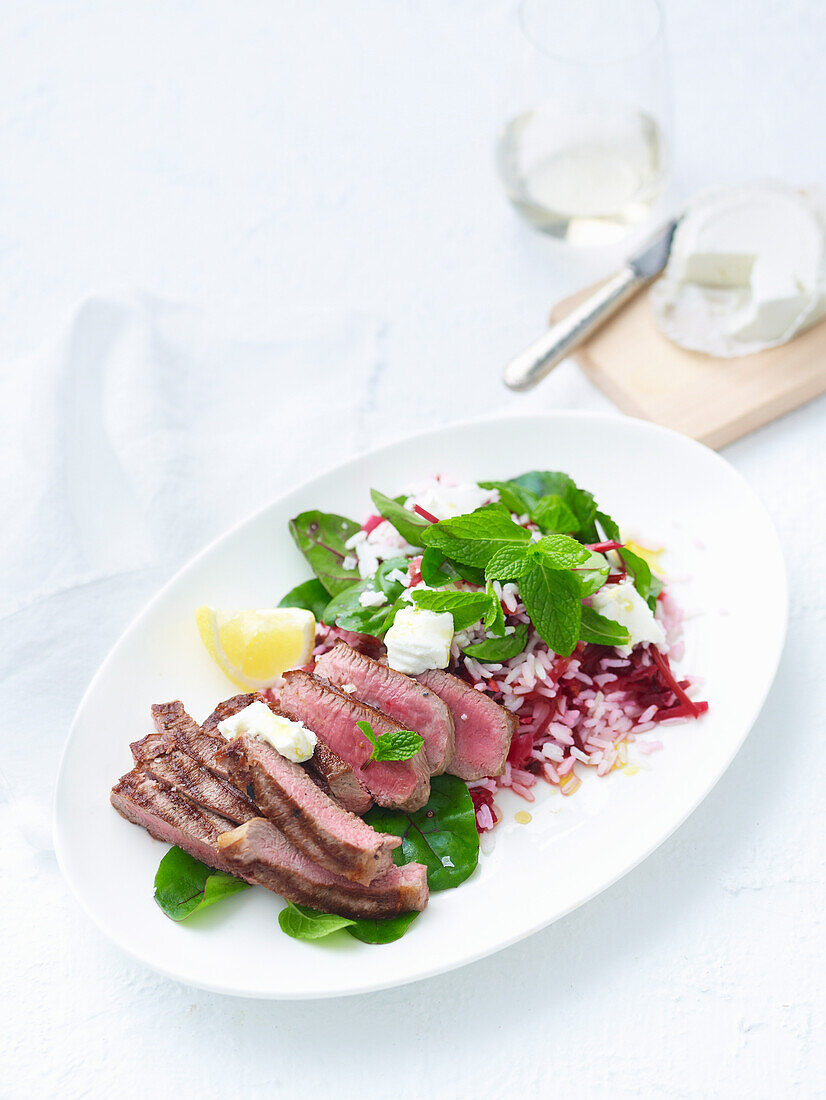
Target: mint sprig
(393, 745)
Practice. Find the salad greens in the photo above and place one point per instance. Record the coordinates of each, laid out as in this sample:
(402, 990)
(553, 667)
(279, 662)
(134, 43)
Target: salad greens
(393, 745)
(311, 595)
(556, 565)
(183, 885)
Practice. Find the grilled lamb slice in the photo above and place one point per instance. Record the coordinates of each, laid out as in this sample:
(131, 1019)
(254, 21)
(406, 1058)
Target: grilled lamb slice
(328, 771)
(168, 816)
(154, 744)
(258, 851)
(483, 728)
(333, 715)
(228, 708)
(335, 775)
(184, 775)
(288, 797)
(184, 733)
(401, 697)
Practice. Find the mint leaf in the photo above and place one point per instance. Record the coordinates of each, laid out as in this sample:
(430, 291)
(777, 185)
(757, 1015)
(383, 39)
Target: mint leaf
(303, 923)
(560, 551)
(499, 649)
(184, 885)
(311, 595)
(599, 630)
(551, 598)
(393, 745)
(466, 608)
(474, 538)
(442, 835)
(320, 536)
(509, 563)
(410, 525)
(553, 514)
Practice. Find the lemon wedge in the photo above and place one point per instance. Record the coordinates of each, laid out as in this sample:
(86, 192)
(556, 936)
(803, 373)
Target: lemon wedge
(255, 647)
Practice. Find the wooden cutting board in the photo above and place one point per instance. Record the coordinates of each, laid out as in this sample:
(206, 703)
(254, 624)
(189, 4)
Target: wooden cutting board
(713, 400)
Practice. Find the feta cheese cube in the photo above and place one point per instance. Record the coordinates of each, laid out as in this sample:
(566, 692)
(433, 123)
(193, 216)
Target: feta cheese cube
(419, 640)
(623, 604)
(291, 739)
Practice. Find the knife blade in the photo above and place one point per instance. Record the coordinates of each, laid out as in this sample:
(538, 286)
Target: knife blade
(532, 365)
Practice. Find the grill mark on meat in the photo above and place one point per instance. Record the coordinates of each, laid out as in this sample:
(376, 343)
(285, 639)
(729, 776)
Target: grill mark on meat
(483, 728)
(401, 697)
(333, 715)
(184, 733)
(270, 861)
(257, 848)
(184, 775)
(150, 746)
(291, 800)
(232, 706)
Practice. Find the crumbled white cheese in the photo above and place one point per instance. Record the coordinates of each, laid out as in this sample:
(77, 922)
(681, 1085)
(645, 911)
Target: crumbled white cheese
(419, 640)
(624, 605)
(372, 599)
(445, 500)
(291, 739)
(383, 542)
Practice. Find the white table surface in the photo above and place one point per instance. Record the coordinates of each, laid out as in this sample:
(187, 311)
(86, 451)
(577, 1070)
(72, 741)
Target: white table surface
(224, 230)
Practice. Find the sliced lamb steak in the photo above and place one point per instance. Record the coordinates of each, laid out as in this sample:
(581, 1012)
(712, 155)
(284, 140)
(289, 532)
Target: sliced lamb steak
(263, 857)
(327, 769)
(184, 775)
(184, 733)
(333, 715)
(483, 728)
(404, 699)
(291, 800)
(258, 850)
(168, 816)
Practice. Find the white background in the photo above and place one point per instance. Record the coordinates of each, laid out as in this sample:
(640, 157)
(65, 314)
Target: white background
(236, 242)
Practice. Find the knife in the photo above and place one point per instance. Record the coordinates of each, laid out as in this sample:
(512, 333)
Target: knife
(523, 372)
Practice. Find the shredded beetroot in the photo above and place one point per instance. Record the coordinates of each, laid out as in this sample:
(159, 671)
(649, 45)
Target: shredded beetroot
(520, 750)
(414, 571)
(423, 512)
(662, 663)
(372, 523)
(481, 796)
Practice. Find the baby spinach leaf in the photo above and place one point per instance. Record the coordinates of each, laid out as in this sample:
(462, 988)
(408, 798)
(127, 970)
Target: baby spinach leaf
(409, 524)
(553, 514)
(515, 498)
(592, 574)
(436, 570)
(646, 583)
(493, 619)
(442, 835)
(545, 483)
(345, 609)
(474, 538)
(392, 745)
(466, 608)
(601, 630)
(311, 595)
(499, 649)
(184, 884)
(303, 923)
(371, 930)
(551, 598)
(320, 536)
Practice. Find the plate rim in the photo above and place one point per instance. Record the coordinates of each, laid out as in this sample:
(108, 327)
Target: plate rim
(371, 986)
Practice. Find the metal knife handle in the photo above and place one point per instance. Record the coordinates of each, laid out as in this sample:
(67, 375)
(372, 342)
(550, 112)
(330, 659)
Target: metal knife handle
(523, 372)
